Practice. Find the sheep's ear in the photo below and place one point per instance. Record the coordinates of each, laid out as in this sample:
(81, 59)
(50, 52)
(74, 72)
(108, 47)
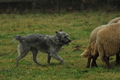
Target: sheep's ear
(61, 30)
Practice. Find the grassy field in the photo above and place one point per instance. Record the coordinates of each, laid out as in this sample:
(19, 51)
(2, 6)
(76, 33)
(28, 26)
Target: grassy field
(77, 24)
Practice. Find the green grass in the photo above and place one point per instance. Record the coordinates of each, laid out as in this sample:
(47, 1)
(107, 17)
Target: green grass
(77, 24)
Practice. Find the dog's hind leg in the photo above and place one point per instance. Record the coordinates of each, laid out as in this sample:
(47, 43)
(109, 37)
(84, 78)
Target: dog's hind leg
(22, 54)
(34, 52)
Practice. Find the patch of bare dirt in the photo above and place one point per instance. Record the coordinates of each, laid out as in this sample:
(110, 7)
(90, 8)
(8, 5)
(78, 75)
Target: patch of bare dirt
(78, 48)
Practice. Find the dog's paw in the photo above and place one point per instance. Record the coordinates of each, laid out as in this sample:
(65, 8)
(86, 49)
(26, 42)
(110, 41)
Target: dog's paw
(63, 63)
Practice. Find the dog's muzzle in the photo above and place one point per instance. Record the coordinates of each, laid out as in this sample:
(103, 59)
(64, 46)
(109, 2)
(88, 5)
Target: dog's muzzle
(68, 42)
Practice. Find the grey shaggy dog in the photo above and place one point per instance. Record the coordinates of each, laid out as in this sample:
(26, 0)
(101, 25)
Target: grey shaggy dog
(44, 43)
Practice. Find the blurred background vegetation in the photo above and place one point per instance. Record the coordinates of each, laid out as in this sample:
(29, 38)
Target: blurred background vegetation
(57, 5)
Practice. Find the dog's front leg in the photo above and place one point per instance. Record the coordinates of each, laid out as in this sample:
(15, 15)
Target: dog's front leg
(55, 56)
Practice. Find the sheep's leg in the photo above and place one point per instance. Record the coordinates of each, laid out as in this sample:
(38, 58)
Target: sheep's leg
(88, 61)
(117, 58)
(106, 59)
(94, 60)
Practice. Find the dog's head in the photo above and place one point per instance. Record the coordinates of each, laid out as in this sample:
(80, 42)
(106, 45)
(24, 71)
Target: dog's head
(63, 37)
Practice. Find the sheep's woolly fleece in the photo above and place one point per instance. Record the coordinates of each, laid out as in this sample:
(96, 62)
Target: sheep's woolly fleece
(90, 50)
(108, 40)
(115, 20)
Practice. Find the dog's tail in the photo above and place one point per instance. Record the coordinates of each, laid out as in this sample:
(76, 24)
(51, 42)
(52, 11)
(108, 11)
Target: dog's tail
(18, 37)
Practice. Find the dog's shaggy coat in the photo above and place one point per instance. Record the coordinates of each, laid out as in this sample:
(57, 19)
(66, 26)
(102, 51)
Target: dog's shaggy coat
(44, 43)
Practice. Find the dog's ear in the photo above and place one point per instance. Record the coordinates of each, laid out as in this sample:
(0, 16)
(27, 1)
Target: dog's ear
(61, 30)
(57, 33)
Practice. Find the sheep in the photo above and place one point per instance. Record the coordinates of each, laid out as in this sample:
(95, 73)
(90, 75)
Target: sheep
(115, 20)
(108, 42)
(89, 51)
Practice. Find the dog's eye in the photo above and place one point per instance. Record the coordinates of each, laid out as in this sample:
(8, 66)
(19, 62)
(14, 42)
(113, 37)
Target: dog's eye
(65, 37)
